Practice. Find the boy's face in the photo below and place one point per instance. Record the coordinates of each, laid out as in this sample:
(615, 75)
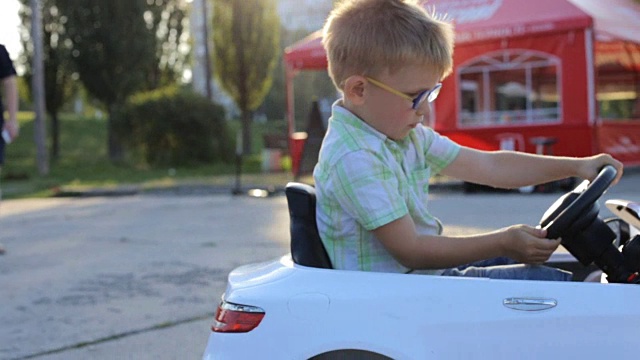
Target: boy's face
(391, 113)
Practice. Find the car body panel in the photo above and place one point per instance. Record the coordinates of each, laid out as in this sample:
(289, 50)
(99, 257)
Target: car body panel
(405, 316)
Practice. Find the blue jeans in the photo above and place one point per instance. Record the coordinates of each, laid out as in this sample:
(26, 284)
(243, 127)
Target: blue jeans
(505, 268)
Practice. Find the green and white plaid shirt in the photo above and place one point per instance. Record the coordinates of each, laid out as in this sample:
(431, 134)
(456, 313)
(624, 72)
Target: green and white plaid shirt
(365, 180)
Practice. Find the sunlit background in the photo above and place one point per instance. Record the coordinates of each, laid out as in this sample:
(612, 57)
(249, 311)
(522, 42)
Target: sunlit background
(9, 23)
(519, 89)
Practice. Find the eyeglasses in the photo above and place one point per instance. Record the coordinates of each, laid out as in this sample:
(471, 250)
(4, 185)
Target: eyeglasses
(429, 94)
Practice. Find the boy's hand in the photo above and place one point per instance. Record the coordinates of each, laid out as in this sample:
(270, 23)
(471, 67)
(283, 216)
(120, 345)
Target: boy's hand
(528, 245)
(591, 166)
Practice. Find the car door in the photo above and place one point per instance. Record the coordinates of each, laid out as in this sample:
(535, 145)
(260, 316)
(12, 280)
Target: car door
(478, 318)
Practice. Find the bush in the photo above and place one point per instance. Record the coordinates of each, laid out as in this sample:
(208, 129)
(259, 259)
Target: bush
(171, 127)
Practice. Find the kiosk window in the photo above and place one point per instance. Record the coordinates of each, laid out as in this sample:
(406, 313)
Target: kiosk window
(511, 87)
(618, 97)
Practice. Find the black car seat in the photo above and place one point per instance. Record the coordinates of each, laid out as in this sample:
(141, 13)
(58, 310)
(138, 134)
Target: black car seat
(306, 247)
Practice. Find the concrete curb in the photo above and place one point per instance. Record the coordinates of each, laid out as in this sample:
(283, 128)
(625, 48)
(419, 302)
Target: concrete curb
(206, 189)
(270, 188)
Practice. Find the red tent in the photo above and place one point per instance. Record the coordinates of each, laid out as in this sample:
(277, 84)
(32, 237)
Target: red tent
(307, 54)
(572, 58)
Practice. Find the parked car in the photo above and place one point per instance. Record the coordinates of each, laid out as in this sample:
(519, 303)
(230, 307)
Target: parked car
(298, 307)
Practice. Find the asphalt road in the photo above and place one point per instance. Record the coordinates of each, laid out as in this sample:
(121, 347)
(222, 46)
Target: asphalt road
(139, 277)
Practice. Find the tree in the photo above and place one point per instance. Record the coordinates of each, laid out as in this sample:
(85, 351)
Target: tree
(165, 21)
(112, 48)
(274, 105)
(307, 84)
(168, 20)
(57, 62)
(246, 44)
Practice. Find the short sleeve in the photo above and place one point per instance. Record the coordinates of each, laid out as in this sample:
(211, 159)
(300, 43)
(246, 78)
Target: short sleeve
(439, 151)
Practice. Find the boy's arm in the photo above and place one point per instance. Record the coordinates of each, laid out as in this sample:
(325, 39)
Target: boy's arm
(510, 169)
(519, 242)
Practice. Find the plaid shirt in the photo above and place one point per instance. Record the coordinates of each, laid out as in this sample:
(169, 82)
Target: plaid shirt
(365, 180)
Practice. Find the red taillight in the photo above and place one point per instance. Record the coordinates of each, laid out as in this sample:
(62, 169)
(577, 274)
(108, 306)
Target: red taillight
(237, 318)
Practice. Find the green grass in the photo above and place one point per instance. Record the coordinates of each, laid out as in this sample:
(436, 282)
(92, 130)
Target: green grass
(83, 161)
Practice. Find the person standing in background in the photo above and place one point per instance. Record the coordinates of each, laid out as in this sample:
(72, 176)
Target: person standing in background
(9, 128)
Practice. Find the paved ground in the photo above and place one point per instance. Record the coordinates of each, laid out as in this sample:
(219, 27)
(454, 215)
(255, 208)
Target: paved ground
(82, 270)
(138, 277)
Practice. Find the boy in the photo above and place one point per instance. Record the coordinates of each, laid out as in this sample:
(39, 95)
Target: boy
(388, 58)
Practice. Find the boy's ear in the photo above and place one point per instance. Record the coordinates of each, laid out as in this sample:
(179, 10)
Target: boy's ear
(354, 89)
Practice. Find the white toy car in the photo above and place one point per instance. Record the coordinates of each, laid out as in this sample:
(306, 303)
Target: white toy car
(297, 307)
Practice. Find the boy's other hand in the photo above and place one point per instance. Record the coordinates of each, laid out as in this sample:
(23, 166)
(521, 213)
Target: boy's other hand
(591, 166)
(529, 245)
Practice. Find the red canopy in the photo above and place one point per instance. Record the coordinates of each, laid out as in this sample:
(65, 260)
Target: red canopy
(477, 20)
(614, 19)
(307, 53)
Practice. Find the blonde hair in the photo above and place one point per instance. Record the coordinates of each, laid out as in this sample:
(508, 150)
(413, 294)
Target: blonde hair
(366, 37)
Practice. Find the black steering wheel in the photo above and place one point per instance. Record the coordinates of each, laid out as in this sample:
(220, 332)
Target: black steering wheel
(566, 210)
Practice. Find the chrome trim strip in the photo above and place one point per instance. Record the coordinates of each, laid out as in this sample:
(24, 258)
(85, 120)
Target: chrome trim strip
(529, 304)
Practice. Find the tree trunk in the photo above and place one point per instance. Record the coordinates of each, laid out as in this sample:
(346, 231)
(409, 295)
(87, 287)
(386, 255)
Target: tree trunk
(116, 154)
(55, 136)
(246, 132)
(40, 129)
